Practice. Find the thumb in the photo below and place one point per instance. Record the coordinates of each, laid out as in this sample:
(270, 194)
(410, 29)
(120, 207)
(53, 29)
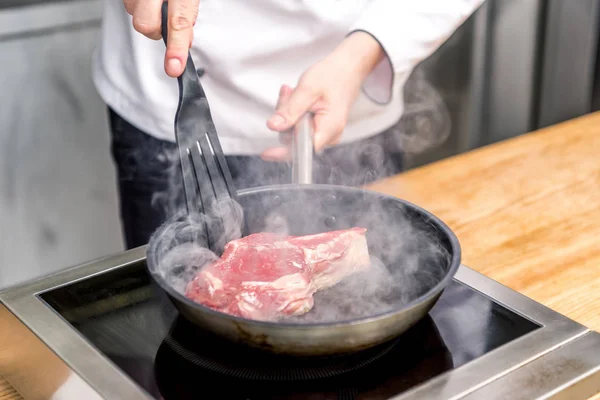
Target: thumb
(289, 111)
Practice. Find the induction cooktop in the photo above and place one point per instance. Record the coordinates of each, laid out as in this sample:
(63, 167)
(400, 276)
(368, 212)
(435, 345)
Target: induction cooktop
(481, 339)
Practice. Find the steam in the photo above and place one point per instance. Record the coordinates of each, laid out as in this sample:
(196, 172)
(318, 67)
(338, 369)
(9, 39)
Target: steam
(179, 249)
(407, 256)
(407, 260)
(362, 294)
(426, 122)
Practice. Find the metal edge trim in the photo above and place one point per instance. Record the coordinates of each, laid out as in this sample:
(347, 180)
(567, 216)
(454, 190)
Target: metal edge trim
(500, 362)
(82, 357)
(580, 384)
(73, 274)
(56, 333)
(556, 330)
(79, 354)
(515, 301)
(570, 372)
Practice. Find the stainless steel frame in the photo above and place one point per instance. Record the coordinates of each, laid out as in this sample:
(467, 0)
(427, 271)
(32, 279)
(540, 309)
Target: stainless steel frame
(559, 360)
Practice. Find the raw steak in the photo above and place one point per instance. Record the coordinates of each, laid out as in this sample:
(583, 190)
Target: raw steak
(266, 277)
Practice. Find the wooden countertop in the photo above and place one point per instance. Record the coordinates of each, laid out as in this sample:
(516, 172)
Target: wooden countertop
(526, 212)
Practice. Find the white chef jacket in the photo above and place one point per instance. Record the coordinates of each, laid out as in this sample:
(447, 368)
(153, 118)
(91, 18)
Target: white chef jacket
(249, 48)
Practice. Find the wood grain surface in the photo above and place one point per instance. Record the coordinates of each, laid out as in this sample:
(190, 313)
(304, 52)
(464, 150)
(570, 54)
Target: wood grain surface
(28, 368)
(7, 391)
(526, 212)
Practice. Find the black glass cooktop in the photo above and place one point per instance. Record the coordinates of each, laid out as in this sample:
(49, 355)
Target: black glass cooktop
(133, 324)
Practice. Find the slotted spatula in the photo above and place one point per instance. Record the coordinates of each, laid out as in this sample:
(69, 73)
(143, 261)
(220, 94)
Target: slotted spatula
(207, 179)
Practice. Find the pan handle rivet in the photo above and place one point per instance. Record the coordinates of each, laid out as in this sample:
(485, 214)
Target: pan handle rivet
(276, 202)
(330, 222)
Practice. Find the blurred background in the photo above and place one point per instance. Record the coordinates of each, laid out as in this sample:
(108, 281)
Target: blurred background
(514, 66)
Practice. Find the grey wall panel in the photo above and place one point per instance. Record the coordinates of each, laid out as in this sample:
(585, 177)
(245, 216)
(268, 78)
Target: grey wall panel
(569, 60)
(471, 135)
(58, 202)
(48, 16)
(513, 47)
(487, 75)
(448, 76)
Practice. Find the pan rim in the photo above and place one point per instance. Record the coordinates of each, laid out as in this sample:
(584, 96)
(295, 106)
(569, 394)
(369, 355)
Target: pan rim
(431, 293)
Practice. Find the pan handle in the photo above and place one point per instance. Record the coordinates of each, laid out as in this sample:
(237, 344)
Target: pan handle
(303, 151)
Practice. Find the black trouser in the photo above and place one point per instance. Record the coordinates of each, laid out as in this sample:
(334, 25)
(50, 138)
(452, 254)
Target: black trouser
(147, 182)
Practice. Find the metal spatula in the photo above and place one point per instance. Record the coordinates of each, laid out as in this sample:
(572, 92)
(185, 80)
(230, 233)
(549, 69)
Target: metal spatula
(206, 176)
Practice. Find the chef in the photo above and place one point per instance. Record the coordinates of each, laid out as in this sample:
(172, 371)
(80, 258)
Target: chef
(263, 65)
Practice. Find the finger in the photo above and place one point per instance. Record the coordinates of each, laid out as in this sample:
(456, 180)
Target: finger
(328, 129)
(130, 6)
(288, 113)
(276, 154)
(286, 137)
(284, 95)
(147, 18)
(182, 15)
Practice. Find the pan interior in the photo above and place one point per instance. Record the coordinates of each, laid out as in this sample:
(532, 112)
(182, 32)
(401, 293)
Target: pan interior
(412, 251)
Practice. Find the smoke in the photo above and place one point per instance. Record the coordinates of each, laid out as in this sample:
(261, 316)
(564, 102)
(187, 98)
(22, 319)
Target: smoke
(407, 253)
(179, 249)
(407, 259)
(425, 122)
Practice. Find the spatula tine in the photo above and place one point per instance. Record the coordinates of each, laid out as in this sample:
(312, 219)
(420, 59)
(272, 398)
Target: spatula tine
(190, 186)
(206, 195)
(216, 176)
(222, 163)
(225, 173)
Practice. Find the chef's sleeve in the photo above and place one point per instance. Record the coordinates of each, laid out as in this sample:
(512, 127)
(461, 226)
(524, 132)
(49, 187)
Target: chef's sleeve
(408, 31)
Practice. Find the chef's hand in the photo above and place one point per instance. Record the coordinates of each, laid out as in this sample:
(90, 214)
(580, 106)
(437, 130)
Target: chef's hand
(328, 89)
(182, 17)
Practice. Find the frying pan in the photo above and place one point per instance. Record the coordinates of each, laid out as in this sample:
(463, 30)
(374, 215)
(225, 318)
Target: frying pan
(416, 247)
